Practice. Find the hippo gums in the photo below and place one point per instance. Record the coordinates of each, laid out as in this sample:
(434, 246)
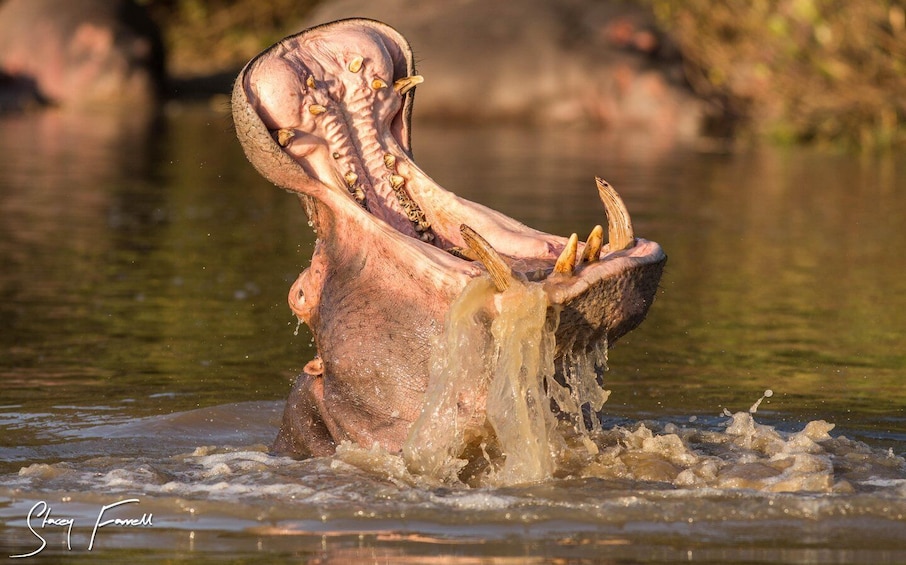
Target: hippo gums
(326, 114)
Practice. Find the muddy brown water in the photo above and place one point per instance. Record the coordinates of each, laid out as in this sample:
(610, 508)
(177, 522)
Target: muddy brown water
(146, 348)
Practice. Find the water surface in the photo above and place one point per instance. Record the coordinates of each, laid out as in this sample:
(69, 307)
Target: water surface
(146, 348)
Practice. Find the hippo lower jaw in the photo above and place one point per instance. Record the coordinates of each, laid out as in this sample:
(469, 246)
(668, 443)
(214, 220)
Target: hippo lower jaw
(326, 114)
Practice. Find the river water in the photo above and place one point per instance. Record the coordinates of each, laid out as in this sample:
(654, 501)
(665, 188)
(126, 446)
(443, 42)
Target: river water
(146, 349)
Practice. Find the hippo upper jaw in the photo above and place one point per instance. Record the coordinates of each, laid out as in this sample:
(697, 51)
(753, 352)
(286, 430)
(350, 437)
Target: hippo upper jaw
(326, 114)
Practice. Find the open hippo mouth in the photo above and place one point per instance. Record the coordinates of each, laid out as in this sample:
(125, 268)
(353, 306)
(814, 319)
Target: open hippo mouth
(326, 114)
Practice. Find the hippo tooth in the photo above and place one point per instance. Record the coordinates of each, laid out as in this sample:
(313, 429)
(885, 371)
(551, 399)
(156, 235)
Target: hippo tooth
(310, 81)
(462, 253)
(389, 161)
(378, 84)
(619, 225)
(285, 136)
(566, 262)
(315, 109)
(397, 182)
(406, 84)
(350, 179)
(500, 272)
(359, 194)
(356, 64)
(593, 245)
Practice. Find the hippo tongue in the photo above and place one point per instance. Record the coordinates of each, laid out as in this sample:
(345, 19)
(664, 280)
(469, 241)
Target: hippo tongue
(326, 114)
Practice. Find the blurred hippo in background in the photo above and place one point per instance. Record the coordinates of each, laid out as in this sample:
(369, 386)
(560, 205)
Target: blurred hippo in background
(78, 53)
(582, 62)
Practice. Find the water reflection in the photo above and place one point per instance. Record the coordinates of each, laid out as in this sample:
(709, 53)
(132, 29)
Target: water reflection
(125, 272)
(63, 176)
(143, 272)
(788, 279)
(782, 268)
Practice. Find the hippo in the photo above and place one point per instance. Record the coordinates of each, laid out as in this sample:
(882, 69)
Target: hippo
(325, 114)
(79, 54)
(557, 63)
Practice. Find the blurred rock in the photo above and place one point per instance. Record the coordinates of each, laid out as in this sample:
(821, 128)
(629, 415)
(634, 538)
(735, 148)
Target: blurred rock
(78, 53)
(538, 61)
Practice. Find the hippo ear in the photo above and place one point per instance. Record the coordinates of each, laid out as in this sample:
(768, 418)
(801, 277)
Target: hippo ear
(403, 66)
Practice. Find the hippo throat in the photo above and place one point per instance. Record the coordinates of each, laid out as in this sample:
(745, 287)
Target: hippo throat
(326, 114)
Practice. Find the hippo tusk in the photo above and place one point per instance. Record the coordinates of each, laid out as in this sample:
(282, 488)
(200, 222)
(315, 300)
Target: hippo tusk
(405, 84)
(619, 226)
(593, 245)
(500, 272)
(566, 262)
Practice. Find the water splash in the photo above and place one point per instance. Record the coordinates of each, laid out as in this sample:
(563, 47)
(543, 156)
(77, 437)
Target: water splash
(518, 408)
(497, 413)
(583, 391)
(458, 378)
(488, 415)
(767, 394)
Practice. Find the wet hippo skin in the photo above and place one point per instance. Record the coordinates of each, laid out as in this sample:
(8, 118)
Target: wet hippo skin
(326, 114)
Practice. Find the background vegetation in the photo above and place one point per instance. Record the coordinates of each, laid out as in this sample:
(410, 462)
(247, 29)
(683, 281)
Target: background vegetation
(821, 71)
(798, 70)
(212, 36)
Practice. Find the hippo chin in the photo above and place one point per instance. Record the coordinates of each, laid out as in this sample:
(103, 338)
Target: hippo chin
(326, 114)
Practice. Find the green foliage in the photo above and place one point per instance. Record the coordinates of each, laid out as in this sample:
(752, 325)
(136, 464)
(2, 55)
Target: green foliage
(207, 36)
(827, 71)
